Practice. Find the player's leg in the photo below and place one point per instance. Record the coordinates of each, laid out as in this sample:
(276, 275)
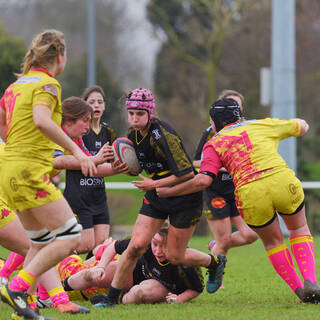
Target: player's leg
(182, 226)
(87, 240)
(279, 255)
(143, 231)
(221, 230)
(301, 244)
(258, 211)
(245, 235)
(12, 234)
(148, 291)
(54, 224)
(101, 224)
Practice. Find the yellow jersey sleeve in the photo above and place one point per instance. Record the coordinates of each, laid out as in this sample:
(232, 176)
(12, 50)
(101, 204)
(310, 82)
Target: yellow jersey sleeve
(46, 98)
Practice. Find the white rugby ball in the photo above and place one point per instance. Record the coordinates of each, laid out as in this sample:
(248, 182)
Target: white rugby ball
(123, 150)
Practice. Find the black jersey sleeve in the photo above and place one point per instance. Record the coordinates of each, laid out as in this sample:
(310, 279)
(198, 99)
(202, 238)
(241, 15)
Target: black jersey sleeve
(121, 245)
(192, 278)
(171, 145)
(207, 135)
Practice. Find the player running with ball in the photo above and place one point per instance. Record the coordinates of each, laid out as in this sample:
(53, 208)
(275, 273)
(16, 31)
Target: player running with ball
(162, 156)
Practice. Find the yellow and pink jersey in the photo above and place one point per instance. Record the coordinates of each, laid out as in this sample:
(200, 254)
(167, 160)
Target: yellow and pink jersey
(248, 150)
(24, 140)
(74, 264)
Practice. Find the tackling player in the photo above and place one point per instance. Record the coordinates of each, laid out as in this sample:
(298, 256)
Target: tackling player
(264, 185)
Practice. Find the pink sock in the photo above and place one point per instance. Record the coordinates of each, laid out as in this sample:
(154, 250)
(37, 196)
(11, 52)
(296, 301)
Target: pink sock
(22, 281)
(303, 251)
(281, 260)
(42, 292)
(12, 263)
(58, 296)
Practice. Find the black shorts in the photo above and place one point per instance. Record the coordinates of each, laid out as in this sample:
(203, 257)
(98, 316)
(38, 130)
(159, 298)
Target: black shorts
(218, 207)
(180, 219)
(88, 221)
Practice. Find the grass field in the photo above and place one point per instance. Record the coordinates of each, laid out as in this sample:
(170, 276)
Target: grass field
(252, 291)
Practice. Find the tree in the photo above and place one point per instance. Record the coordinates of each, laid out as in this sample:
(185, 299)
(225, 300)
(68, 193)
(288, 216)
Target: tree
(12, 51)
(195, 30)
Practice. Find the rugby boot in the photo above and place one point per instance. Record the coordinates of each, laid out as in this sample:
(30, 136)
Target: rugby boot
(16, 316)
(97, 298)
(18, 301)
(3, 281)
(311, 292)
(44, 303)
(72, 308)
(102, 301)
(216, 274)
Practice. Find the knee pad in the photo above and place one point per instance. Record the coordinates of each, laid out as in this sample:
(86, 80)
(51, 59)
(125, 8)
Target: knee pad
(70, 230)
(42, 236)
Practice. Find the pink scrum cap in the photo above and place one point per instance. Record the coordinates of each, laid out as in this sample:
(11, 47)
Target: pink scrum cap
(141, 99)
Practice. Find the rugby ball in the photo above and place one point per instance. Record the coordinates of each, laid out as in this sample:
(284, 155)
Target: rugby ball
(123, 150)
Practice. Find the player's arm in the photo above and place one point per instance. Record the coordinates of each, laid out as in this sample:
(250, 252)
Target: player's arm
(42, 120)
(196, 163)
(69, 162)
(147, 184)
(182, 297)
(197, 183)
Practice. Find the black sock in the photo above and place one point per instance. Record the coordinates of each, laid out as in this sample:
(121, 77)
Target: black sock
(214, 261)
(89, 255)
(66, 285)
(114, 294)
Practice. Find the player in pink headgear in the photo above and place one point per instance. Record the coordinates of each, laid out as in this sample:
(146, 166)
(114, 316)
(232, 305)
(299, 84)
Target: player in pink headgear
(161, 154)
(141, 99)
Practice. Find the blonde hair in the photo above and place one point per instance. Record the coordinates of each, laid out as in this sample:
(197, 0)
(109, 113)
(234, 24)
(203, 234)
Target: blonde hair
(226, 93)
(45, 47)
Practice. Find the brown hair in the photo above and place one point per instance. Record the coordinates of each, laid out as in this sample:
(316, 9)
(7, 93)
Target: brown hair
(95, 88)
(164, 230)
(74, 108)
(45, 47)
(226, 93)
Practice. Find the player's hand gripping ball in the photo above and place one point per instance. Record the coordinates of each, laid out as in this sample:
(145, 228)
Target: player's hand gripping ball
(124, 151)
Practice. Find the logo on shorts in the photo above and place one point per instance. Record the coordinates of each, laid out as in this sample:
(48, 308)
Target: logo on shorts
(4, 213)
(41, 194)
(218, 203)
(13, 184)
(26, 175)
(292, 188)
(146, 201)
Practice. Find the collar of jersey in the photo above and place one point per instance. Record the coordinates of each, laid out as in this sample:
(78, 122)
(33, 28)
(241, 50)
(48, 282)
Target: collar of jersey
(142, 137)
(164, 263)
(42, 70)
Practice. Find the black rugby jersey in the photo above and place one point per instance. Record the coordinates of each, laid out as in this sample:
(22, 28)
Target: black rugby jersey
(176, 278)
(161, 154)
(88, 194)
(94, 141)
(223, 184)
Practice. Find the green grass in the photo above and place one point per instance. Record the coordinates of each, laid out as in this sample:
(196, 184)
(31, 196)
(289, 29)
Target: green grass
(253, 291)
